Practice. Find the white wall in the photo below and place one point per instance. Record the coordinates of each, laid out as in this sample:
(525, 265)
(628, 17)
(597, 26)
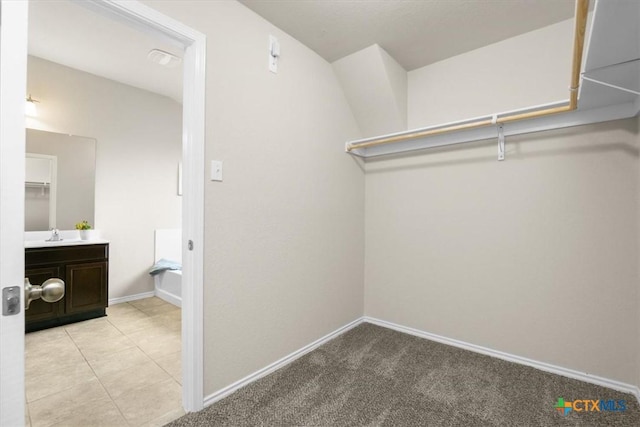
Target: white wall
(284, 243)
(138, 150)
(526, 70)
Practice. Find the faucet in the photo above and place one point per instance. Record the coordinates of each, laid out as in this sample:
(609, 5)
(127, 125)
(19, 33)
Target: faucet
(55, 235)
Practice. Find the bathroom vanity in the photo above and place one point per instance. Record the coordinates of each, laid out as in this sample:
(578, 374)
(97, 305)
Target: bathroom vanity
(83, 266)
(60, 192)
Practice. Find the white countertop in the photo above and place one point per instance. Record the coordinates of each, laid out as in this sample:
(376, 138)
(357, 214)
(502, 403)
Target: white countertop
(39, 239)
(63, 242)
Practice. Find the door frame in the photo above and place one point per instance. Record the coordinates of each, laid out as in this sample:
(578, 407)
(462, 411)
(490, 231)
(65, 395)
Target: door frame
(13, 87)
(151, 21)
(14, 41)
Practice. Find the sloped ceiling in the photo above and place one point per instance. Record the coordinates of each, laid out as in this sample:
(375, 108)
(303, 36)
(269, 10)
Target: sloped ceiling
(414, 32)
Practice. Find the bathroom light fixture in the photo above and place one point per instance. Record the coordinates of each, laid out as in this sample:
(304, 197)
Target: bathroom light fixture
(30, 107)
(163, 58)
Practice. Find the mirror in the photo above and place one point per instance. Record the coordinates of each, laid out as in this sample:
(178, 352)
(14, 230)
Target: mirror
(59, 180)
(40, 191)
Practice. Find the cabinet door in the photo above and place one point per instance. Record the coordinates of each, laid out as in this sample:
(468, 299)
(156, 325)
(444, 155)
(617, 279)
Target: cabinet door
(38, 309)
(86, 287)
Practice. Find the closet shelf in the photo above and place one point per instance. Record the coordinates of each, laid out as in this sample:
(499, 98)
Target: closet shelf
(624, 76)
(606, 92)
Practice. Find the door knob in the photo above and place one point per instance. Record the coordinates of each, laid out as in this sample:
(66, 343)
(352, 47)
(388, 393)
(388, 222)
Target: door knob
(52, 290)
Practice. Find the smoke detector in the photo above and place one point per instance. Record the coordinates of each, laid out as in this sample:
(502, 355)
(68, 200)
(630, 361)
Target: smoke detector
(163, 58)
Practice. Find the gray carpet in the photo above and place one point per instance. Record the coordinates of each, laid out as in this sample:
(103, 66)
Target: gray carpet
(372, 376)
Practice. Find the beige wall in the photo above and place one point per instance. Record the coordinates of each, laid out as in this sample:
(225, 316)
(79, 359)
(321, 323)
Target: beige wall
(284, 241)
(397, 77)
(138, 150)
(535, 256)
(376, 88)
(530, 69)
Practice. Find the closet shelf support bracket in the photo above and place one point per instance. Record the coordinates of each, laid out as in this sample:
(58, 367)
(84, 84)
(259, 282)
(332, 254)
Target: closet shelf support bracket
(500, 142)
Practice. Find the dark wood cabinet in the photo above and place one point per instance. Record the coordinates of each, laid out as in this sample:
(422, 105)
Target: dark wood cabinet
(38, 309)
(85, 271)
(86, 287)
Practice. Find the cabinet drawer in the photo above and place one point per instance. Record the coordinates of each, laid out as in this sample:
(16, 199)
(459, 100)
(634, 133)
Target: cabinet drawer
(62, 254)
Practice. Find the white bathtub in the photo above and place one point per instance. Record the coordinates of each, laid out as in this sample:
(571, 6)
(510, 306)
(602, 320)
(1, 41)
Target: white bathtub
(169, 286)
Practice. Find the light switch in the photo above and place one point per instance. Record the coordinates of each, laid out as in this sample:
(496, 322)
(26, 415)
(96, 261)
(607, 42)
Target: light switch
(216, 170)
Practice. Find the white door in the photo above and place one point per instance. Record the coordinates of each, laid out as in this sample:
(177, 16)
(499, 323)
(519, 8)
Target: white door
(13, 85)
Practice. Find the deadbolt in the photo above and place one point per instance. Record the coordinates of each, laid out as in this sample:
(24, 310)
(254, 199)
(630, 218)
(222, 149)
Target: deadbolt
(11, 301)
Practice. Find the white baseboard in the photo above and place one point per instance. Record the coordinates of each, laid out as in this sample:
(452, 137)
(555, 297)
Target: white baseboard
(120, 300)
(565, 372)
(224, 392)
(170, 298)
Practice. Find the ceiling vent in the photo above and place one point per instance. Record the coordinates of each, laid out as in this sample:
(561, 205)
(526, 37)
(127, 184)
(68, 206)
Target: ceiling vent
(163, 58)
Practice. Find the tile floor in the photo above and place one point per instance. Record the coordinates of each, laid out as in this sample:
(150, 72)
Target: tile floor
(119, 370)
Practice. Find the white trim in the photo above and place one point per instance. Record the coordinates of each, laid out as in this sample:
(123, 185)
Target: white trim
(168, 297)
(128, 298)
(226, 391)
(193, 123)
(193, 156)
(546, 367)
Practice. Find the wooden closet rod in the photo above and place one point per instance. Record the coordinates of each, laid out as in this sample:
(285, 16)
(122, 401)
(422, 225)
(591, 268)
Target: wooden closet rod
(582, 9)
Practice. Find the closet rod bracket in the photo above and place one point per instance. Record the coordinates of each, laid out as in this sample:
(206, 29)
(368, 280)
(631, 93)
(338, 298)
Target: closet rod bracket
(500, 142)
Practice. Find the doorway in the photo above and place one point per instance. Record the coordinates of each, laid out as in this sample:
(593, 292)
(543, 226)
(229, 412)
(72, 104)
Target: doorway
(13, 26)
